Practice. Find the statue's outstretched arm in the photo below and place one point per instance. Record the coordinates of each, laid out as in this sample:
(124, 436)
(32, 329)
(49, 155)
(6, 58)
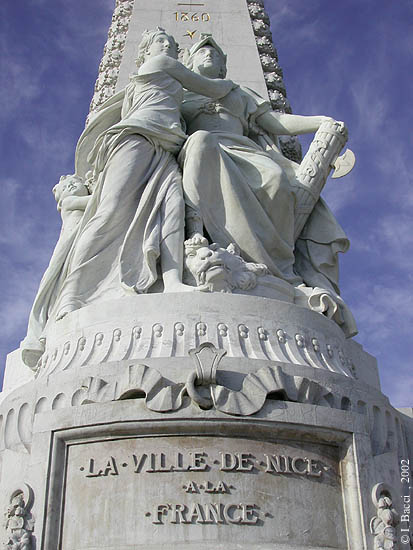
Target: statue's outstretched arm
(194, 82)
(284, 124)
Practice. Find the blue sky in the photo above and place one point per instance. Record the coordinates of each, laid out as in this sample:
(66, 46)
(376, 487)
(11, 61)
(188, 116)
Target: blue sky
(350, 60)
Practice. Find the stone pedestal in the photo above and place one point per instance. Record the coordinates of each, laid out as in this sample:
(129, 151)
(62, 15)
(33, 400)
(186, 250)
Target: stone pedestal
(199, 421)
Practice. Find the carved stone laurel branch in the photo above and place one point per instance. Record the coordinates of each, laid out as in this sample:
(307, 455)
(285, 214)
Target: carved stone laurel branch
(112, 54)
(202, 388)
(19, 522)
(273, 74)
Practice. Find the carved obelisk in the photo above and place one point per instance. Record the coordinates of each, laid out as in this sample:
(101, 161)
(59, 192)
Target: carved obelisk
(238, 414)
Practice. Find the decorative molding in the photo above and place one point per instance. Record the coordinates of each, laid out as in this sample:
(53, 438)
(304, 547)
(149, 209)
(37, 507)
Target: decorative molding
(273, 74)
(383, 524)
(112, 54)
(19, 522)
(173, 339)
(136, 380)
(202, 387)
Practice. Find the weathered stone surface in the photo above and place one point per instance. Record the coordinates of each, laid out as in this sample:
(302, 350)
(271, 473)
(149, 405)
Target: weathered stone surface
(169, 325)
(199, 489)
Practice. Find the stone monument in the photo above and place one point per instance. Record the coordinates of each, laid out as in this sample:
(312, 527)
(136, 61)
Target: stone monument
(189, 379)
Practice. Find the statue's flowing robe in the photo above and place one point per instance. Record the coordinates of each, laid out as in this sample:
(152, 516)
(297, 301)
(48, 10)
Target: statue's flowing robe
(136, 203)
(244, 190)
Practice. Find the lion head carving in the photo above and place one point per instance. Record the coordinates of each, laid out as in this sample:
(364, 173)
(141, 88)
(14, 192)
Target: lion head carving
(215, 269)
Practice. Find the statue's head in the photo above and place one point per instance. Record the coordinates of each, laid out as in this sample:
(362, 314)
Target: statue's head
(156, 42)
(69, 185)
(207, 58)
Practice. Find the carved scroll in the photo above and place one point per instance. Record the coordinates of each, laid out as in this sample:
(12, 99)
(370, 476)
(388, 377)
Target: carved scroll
(161, 395)
(324, 150)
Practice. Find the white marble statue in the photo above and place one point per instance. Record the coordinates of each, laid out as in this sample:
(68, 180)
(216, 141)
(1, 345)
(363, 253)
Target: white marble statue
(133, 225)
(240, 189)
(136, 215)
(128, 235)
(72, 197)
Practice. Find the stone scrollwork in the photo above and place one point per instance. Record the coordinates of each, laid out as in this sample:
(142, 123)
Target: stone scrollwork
(383, 524)
(160, 395)
(138, 381)
(19, 522)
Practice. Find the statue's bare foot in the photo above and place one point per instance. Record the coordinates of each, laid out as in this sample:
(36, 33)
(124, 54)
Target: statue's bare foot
(179, 287)
(65, 310)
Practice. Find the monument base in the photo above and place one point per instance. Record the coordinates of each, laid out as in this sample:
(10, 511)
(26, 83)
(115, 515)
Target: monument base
(221, 422)
(115, 476)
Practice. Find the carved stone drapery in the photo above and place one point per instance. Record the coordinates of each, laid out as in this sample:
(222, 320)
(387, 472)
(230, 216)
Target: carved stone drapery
(113, 52)
(201, 386)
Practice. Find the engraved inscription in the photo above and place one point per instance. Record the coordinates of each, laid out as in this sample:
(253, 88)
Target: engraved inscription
(184, 16)
(110, 468)
(160, 487)
(237, 514)
(198, 461)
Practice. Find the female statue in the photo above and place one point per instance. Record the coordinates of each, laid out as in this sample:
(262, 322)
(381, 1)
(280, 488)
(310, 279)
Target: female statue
(135, 215)
(72, 197)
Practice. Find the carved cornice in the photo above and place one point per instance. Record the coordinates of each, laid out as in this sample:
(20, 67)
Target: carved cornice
(135, 342)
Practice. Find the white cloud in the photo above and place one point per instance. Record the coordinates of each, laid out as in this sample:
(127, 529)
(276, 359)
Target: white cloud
(18, 85)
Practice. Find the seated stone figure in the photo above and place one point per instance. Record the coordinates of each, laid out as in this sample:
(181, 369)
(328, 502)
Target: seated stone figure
(240, 189)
